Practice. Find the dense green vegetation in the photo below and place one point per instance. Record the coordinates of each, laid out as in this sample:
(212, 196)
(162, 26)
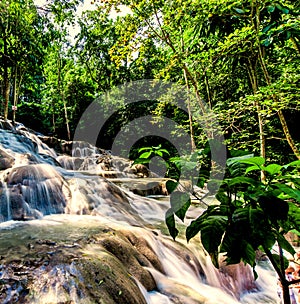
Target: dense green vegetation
(239, 57)
(247, 215)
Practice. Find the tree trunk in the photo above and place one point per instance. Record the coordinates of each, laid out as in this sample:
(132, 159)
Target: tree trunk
(262, 139)
(62, 95)
(287, 134)
(281, 274)
(280, 113)
(207, 90)
(6, 83)
(6, 91)
(66, 117)
(14, 97)
(193, 145)
(286, 293)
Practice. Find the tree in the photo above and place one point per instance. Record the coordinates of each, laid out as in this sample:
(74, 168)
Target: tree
(220, 50)
(22, 46)
(58, 64)
(248, 215)
(254, 35)
(93, 48)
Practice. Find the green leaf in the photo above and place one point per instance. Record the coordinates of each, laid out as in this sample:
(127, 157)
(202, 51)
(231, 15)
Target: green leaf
(271, 8)
(284, 244)
(159, 153)
(293, 193)
(141, 161)
(156, 147)
(235, 167)
(248, 254)
(222, 198)
(201, 182)
(170, 221)
(171, 185)
(256, 160)
(272, 169)
(211, 232)
(146, 154)
(268, 27)
(165, 151)
(144, 149)
(283, 9)
(276, 258)
(194, 227)
(294, 216)
(232, 160)
(268, 239)
(295, 163)
(252, 168)
(239, 11)
(241, 180)
(274, 207)
(180, 202)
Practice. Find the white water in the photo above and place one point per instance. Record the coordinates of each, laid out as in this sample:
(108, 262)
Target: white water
(188, 275)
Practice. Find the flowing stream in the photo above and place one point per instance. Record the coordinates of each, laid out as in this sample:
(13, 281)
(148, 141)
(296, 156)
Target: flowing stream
(60, 214)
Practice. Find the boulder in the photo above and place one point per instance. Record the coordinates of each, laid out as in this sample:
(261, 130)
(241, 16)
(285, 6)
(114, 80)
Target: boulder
(83, 271)
(19, 208)
(43, 188)
(6, 160)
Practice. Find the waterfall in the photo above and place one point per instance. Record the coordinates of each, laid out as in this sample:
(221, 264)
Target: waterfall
(82, 216)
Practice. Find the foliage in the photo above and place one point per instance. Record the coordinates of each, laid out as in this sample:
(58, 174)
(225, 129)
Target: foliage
(146, 153)
(23, 41)
(249, 214)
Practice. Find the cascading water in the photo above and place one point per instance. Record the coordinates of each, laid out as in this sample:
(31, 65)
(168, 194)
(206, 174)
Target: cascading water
(91, 240)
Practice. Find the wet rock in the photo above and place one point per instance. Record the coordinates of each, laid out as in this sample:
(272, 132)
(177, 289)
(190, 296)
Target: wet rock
(237, 273)
(142, 246)
(27, 159)
(143, 186)
(20, 210)
(38, 173)
(140, 170)
(41, 188)
(107, 280)
(85, 273)
(104, 160)
(6, 160)
(70, 163)
(129, 257)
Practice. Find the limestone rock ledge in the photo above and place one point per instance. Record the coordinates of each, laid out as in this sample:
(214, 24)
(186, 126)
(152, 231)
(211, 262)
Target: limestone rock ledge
(101, 266)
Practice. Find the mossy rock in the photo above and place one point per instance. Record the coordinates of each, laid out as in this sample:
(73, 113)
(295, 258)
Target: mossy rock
(107, 281)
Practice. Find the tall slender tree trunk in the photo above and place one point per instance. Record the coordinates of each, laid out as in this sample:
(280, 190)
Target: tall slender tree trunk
(6, 91)
(193, 145)
(15, 96)
(6, 83)
(53, 117)
(281, 116)
(262, 139)
(209, 99)
(66, 117)
(256, 24)
(62, 95)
